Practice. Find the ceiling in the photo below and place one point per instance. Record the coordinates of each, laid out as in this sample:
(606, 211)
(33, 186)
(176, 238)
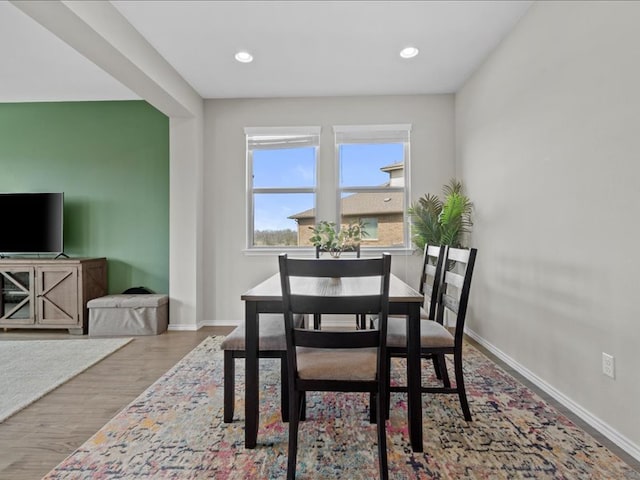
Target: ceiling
(300, 48)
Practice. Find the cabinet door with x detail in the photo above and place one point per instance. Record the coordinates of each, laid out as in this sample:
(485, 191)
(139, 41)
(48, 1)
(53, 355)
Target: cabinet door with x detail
(57, 295)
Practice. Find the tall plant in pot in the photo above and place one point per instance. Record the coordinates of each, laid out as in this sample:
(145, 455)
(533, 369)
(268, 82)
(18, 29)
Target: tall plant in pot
(437, 221)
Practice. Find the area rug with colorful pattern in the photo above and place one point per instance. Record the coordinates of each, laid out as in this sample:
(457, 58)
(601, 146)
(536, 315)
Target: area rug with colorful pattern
(174, 430)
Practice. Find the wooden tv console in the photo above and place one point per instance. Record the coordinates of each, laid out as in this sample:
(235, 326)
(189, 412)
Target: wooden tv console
(50, 293)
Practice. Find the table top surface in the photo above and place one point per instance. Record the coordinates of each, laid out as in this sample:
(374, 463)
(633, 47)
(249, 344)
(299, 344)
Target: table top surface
(270, 290)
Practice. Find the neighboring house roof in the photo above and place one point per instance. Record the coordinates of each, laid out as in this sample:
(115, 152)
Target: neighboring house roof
(368, 203)
(393, 166)
(364, 204)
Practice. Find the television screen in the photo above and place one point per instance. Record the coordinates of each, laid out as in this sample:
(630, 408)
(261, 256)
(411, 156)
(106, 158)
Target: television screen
(39, 229)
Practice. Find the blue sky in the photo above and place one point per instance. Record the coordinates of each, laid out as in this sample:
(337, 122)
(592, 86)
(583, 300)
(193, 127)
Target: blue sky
(295, 167)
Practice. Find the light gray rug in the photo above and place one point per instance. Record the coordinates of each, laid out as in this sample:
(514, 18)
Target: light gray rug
(29, 369)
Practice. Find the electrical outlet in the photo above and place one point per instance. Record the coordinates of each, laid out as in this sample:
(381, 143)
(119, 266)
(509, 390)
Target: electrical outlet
(608, 365)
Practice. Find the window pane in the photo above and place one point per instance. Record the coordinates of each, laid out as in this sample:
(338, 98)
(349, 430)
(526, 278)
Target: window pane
(383, 212)
(374, 165)
(284, 167)
(360, 164)
(370, 228)
(272, 225)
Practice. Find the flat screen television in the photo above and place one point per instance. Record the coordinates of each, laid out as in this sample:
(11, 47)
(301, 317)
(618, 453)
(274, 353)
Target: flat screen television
(36, 225)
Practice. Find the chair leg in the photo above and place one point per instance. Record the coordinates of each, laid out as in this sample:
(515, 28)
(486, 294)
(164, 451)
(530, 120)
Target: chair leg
(462, 394)
(443, 370)
(303, 406)
(284, 388)
(294, 419)
(436, 366)
(388, 383)
(373, 407)
(316, 321)
(382, 437)
(229, 386)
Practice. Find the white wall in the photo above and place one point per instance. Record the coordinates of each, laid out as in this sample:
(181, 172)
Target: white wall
(228, 272)
(185, 220)
(548, 146)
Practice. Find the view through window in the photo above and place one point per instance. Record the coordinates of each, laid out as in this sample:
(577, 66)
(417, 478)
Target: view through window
(373, 164)
(282, 181)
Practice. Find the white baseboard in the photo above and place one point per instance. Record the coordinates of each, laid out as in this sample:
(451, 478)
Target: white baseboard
(183, 328)
(602, 427)
(219, 323)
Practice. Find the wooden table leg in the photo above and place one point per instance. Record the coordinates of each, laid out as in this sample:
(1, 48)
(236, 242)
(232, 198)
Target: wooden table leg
(251, 376)
(414, 408)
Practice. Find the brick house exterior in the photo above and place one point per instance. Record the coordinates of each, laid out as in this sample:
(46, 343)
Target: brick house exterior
(385, 208)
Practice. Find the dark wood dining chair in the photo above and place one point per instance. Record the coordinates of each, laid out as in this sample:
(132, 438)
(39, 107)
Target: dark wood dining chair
(436, 340)
(271, 344)
(361, 318)
(336, 361)
(429, 286)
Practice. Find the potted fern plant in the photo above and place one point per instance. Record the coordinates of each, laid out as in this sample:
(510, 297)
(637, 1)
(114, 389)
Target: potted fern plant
(441, 221)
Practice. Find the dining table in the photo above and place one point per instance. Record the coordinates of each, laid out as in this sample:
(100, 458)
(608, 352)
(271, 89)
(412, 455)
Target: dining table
(266, 297)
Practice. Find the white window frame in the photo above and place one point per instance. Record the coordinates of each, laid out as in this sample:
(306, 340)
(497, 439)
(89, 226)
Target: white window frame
(273, 138)
(370, 134)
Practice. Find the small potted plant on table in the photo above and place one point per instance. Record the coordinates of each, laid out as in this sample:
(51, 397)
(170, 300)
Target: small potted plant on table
(327, 237)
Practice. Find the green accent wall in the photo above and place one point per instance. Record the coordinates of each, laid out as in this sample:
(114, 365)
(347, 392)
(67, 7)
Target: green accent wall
(111, 160)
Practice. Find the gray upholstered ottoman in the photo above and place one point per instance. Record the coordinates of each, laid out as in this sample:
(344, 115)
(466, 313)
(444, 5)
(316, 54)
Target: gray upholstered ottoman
(136, 314)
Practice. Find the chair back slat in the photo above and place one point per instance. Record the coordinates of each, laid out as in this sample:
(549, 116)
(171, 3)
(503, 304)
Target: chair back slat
(450, 303)
(433, 250)
(334, 267)
(320, 338)
(354, 248)
(453, 278)
(335, 305)
(429, 271)
(459, 254)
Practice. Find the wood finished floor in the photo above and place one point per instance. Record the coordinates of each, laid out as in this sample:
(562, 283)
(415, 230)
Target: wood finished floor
(36, 439)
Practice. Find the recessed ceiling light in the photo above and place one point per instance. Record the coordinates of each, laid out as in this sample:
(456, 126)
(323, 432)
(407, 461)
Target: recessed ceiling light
(244, 57)
(409, 52)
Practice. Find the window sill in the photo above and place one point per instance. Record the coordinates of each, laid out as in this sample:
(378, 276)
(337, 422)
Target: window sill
(311, 252)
